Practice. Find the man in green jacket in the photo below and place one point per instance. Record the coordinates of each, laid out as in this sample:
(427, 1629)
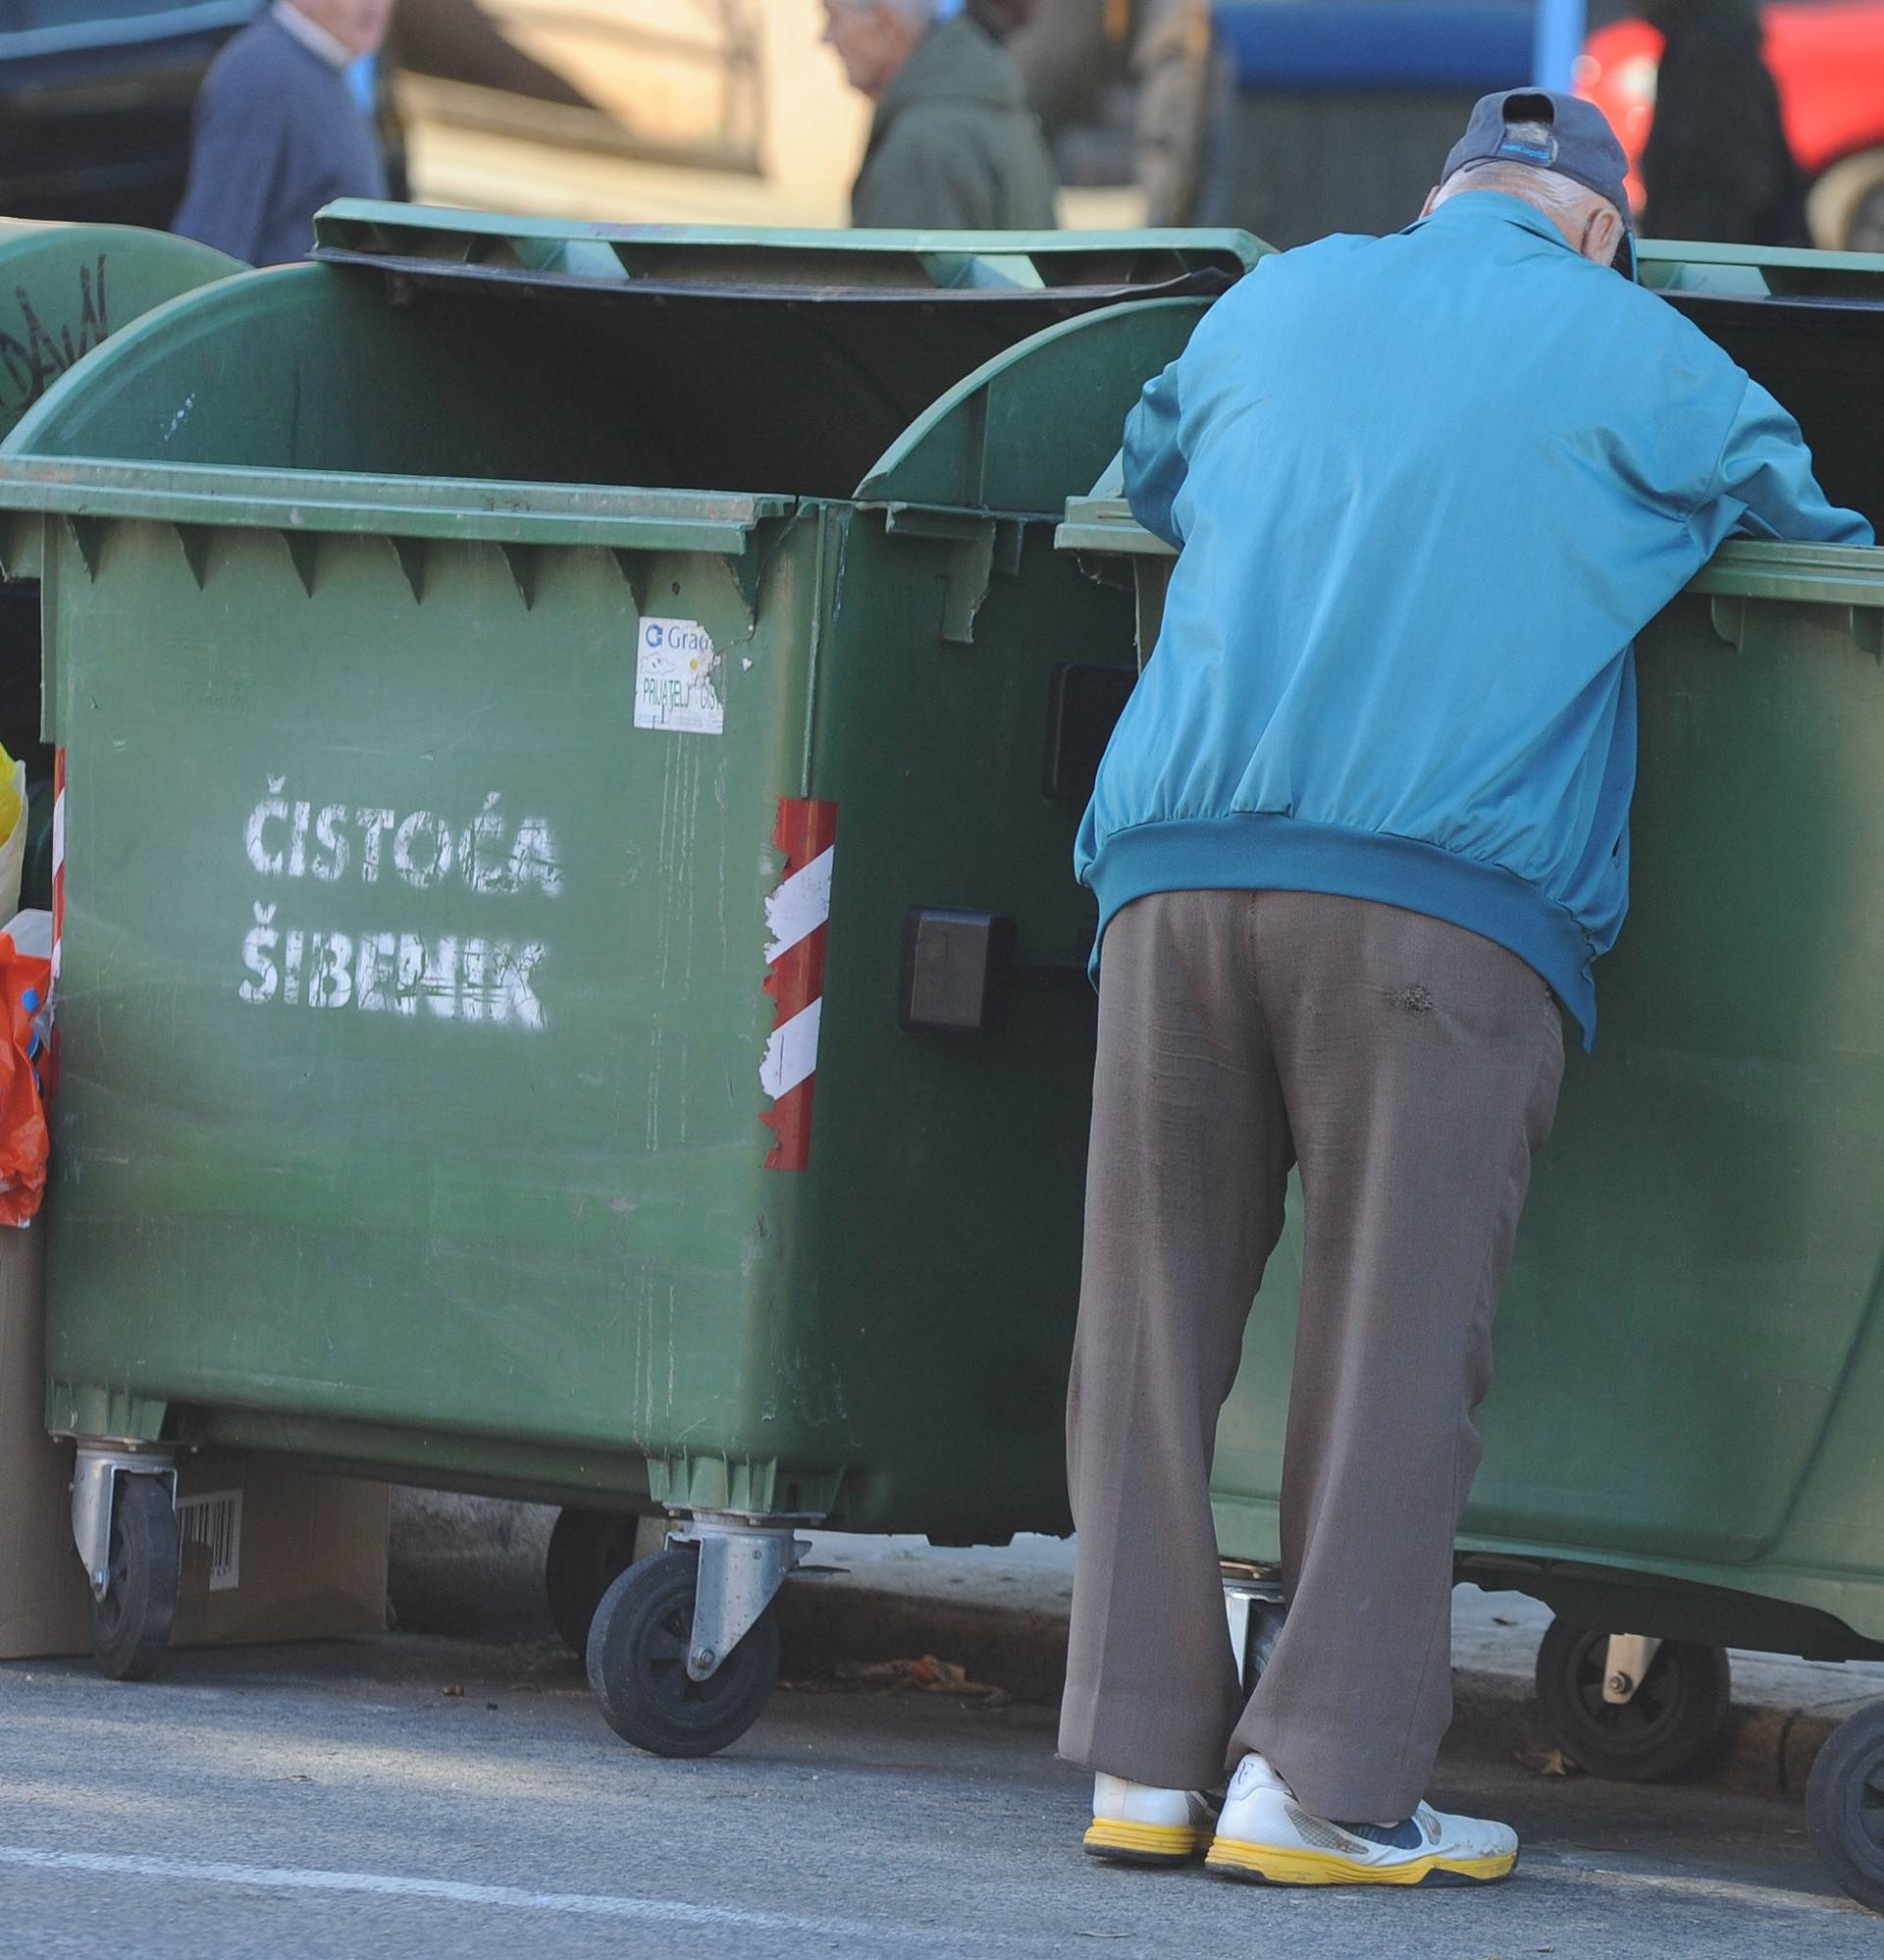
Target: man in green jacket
(954, 146)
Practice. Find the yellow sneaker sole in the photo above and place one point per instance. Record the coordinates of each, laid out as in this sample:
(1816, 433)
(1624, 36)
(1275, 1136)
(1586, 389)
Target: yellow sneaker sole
(1146, 1844)
(1273, 1865)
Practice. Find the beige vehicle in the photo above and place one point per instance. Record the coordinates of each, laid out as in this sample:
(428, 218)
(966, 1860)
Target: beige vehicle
(732, 111)
(683, 111)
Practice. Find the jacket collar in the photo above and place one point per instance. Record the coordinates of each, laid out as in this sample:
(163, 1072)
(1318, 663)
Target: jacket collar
(1495, 207)
(1499, 207)
(955, 61)
(310, 34)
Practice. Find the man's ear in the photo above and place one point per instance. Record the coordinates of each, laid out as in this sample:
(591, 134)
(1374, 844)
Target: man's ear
(1432, 198)
(1602, 235)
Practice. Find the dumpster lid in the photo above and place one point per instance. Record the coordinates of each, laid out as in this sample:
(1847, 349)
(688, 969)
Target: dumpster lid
(595, 354)
(1807, 326)
(64, 287)
(1761, 272)
(1054, 272)
(1034, 419)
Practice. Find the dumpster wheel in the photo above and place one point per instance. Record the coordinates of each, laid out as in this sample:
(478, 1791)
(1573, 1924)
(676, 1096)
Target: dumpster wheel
(129, 1626)
(1845, 1806)
(638, 1649)
(1674, 1717)
(588, 1552)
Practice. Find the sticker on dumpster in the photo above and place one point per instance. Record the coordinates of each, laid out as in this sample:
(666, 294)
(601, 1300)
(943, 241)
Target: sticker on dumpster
(292, 960)
(677, 678)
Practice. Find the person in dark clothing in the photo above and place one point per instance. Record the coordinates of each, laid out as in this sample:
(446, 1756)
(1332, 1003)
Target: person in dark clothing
(1073, 53)
(954, 144)
(277, 133)
(1717, 164)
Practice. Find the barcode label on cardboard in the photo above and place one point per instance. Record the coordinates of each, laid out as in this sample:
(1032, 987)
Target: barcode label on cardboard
(214, 1522)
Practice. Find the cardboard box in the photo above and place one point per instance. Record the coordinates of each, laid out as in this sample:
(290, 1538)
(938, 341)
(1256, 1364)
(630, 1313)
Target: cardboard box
(268, 1555)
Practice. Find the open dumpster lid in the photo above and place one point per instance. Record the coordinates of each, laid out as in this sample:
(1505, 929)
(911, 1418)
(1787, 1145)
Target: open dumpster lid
(445, 344)
(1761, 272)
(1809, 327)
(64, 287)
(1055, 272)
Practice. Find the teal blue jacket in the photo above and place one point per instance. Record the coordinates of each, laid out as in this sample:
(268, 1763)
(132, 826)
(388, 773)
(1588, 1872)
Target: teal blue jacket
(1428, 488)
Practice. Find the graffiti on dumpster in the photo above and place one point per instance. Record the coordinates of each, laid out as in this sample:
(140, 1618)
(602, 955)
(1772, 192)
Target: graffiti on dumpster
(452, 977)
(33, 357)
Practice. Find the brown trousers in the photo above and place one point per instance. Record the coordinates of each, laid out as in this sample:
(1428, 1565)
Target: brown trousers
(1411, 1069)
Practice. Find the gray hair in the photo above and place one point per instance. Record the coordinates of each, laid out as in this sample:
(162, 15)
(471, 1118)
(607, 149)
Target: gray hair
(918, 11)
(1563, 199)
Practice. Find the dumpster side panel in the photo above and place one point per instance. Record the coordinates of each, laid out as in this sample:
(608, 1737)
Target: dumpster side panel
(1689, 1367)
(412, 1009)
(948, 1172)
(1699, 1265)
(1691, 1347)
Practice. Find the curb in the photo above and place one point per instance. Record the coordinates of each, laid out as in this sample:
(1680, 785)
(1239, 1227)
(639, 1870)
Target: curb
(1768, 1752)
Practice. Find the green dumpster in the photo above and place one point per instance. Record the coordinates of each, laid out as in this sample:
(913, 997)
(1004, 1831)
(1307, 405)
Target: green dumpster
(63, 290)
(1685, 1441)
(569, 983)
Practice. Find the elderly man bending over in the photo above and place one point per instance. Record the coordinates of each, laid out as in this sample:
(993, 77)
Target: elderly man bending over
(1362, 829)
(954, 144)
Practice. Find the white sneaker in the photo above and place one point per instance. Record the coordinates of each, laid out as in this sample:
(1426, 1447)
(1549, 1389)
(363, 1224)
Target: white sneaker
(1138, 1825)
(1265, 1835)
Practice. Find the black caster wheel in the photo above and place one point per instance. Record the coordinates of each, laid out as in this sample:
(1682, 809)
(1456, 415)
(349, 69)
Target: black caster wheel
(638, 1664)
(588, 1551)
(131, 1625)
(1669, 1724)
(1845, 1806)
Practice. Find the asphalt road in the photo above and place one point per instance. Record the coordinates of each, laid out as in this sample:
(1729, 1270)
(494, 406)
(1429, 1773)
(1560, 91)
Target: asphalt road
(413, 1796)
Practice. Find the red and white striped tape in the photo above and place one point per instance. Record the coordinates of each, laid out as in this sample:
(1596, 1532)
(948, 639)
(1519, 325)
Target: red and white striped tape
(58, 859)
(797, 915)
(49, 1072)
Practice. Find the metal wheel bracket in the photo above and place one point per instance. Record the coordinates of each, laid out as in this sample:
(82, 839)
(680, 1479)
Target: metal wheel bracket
(1626, 1667)
(743, 1563)
(94, 1482)
(1256, 1611)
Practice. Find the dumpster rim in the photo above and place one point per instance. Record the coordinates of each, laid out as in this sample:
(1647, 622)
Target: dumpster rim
(1785, 258)
(1742, 568)
(466, 510)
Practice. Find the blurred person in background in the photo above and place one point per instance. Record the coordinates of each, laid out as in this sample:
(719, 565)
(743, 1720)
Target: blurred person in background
(1717, 164)
(954, 144)
(277, 131)
(1071, 50)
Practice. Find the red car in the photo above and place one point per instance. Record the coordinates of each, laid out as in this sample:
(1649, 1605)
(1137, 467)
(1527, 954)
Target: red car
(1827, 57)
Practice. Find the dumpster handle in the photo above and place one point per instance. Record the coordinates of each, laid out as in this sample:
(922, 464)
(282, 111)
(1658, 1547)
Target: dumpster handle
(982, 545)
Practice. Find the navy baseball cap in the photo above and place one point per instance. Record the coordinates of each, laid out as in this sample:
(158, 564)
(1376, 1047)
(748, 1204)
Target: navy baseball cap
(1575, 142)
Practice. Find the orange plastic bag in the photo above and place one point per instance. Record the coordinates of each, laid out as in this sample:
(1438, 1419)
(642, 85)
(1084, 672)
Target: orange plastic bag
(24, 979)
